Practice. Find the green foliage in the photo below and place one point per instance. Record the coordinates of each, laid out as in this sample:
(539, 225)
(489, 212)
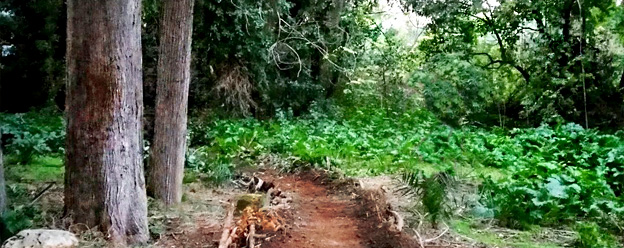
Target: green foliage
(20, 215)
(555, 174)
(454, 90)
(40, 170)
(366, 143)
(558, 175)
(33, 134)
(34, 68)
(590, 235)
(253, 56)
(217, 169)
(533, 50)
(432, 191)
(17, 219)
(380, 77)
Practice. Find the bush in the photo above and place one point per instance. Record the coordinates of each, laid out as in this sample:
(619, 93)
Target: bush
(590, 235)
(558, 174)
(32, 134)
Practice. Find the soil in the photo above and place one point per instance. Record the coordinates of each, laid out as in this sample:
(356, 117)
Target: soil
(323, 213)
(318, 218)
(331, 214)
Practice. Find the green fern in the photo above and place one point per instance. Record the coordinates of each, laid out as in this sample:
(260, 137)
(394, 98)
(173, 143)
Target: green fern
(432, 191)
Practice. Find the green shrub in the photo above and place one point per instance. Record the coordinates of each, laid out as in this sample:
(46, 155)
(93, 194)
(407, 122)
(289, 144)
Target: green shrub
(433, 192)
(33, 134)
(20, 214)
(555, 174)
(590, 235)
(558, 174)
(25, 146)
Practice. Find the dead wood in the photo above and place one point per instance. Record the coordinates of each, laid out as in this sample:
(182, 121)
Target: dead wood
(397, 219)
(252, 236)
(40, 194)
(267, 201)
(226, 238)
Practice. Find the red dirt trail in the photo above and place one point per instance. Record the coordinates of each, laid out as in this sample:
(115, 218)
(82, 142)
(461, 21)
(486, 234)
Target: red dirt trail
(323, 213)
(321, 218)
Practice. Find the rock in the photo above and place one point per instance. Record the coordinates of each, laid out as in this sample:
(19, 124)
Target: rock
(255, 201)
(42, 238)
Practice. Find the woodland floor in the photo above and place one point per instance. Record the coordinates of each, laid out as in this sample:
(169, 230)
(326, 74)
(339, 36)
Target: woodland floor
(323, 213)
(333, 213)
(324, 210)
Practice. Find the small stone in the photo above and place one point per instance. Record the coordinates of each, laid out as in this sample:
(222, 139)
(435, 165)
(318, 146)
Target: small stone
(42, 238)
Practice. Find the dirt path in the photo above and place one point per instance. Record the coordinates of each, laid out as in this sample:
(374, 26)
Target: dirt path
(334, 214)
(321, 218)
(323, 213)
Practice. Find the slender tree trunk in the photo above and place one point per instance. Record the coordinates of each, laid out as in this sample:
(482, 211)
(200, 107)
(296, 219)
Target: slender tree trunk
(622, 83)
(3, 197)
(104, 181)
(174, 63)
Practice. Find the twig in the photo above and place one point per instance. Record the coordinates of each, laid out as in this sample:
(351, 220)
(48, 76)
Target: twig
(439, 236)
(41, 193)
(252, 236)
(226, 238)
(420, 222)
(228, 242)
(398, 220)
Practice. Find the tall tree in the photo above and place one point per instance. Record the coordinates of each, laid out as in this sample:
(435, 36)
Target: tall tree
(553, 45)
(3, 197)
(172, 87)
(104, 181)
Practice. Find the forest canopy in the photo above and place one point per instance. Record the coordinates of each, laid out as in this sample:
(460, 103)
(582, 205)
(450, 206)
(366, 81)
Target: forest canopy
(526, 62)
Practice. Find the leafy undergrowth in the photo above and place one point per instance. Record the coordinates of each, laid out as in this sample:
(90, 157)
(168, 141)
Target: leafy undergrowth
(26, 183)
(535, 176)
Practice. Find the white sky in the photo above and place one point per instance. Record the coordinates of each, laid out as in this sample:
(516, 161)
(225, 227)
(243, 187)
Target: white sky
(409, 25)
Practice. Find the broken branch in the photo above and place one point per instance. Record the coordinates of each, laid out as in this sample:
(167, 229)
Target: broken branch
(226, 238)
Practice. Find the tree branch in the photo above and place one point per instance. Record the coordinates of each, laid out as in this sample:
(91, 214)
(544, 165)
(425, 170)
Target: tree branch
(525, 74)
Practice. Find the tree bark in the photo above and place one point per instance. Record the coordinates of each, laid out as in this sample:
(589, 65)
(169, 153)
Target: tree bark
(104, 181)
(3, 197)
(174, 62)
(621, 85)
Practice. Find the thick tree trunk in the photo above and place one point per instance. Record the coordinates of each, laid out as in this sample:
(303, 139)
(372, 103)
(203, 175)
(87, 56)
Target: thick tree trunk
(174, 62)
(104, 181)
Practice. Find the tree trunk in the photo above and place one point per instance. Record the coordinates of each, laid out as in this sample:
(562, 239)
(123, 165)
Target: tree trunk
(621, 85)
(104, 181)
(174, 61)
(3, 197)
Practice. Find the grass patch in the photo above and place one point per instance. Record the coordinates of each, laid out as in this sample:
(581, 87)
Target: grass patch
(491, 238)
(41, 169)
